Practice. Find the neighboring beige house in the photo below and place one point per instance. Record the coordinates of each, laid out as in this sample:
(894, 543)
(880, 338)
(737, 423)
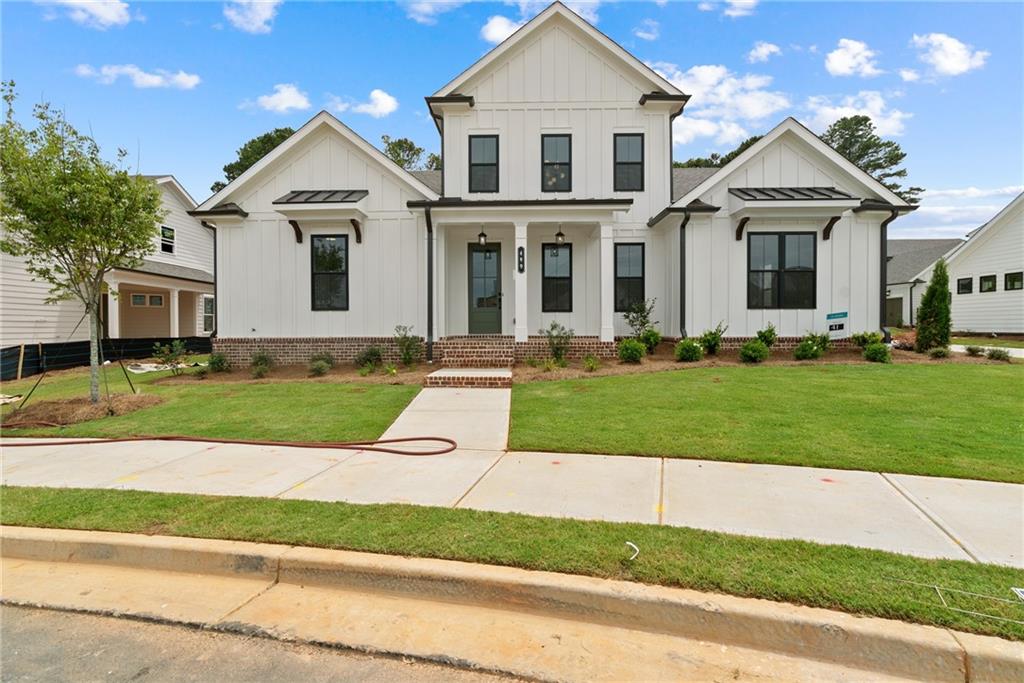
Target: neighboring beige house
(169, 295)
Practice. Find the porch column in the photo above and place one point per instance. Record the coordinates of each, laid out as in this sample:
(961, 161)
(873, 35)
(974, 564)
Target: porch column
(607, 284)
(521, 320)
(172, 305)
(113, 310)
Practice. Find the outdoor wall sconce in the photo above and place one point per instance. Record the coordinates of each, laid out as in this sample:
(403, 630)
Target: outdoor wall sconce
(559, 237)
(482, 239)
(521, 259)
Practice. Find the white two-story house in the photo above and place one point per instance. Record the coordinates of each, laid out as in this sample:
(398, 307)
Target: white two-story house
(557, 202)
(169, 294)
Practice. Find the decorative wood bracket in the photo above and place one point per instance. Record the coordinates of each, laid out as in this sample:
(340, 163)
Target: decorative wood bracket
(828, 227)
(298, 231)
(739, 227)
(359, 230)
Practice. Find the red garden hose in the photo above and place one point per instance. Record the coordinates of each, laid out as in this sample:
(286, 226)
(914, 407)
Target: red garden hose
(374, 445)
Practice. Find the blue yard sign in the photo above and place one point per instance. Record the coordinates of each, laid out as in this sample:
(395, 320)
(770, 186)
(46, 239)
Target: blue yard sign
(837, 325)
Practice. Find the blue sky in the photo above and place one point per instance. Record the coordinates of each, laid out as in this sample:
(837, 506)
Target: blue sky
(182, 85)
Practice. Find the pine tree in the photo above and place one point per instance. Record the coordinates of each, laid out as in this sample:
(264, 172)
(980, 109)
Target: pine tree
(933, 319)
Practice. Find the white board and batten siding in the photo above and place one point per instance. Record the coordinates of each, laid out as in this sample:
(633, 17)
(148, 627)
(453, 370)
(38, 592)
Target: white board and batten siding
(847, 266)
(265, 279)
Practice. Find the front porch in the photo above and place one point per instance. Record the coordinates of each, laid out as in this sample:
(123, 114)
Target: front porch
(143, 305)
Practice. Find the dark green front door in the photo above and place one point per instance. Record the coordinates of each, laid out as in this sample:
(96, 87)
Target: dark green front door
(485, 289)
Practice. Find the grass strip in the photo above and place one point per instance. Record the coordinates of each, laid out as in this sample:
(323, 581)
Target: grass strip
(855, 580)
(909, 419)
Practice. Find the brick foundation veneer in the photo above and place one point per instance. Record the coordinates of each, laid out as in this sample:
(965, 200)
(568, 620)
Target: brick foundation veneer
(297, 350)
(781, 343)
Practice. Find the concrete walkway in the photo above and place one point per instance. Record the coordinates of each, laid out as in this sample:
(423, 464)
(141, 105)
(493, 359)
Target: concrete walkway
(923, 516)
(1014, 353)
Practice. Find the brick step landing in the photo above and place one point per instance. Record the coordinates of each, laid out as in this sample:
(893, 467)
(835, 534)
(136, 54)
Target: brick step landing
(477, 352)
(470, 378)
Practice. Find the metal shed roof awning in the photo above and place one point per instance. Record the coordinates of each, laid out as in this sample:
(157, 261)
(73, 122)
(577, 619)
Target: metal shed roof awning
(767, 194)
(335, 206)
(321, 197)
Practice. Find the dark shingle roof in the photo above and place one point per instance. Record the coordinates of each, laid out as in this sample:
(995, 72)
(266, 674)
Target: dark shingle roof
(431, 179)
(685, 179)
(907, 258)
(321, 197)
(171, 270)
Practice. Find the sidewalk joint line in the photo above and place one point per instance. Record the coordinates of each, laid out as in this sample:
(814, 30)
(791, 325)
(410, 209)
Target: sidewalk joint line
(481, 478)
(314, 476)
(135, 473)
(931, 517)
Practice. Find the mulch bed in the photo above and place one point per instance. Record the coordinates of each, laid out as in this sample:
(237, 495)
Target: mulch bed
(74, 410)
(341, 373)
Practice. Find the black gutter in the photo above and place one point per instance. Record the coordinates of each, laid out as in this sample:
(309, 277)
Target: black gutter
(430, 285)
(695, 206)
(663, 97)
(454, 202)
(229, 210)
(216, 302)
(884, 274)
(682, 274)
(913, 284)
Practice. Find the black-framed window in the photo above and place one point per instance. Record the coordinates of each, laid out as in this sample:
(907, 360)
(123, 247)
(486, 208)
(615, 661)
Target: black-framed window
(556, 278)
(987, 283)
(556, 163)
(1013, 281)
(483, 163)
(329, 257)
(964, 285)
(629, 162)
(166, 239)
(629, 276)
(781, 270)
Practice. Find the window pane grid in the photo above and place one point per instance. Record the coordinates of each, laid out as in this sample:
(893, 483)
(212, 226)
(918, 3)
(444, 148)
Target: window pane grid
(556, 278)
(1013, 281)
(483, 163)
(629, 162)
(987, 283)
(965, 285)
(329, 260)
(629, 276)
(781, 271)
(556, 163)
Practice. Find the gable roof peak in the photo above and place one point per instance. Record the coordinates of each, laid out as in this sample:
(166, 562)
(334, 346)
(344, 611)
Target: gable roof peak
(557, 9)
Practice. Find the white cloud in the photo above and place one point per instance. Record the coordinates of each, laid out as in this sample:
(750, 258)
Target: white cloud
(975, 192)
(158, 78)
(909, 75)
(948, 56)
(739, 8)
(723, 104)
(380, 105)
(763, 51)
(427, 11)
(252, 16)
(824, 111)
(337, 105)
(98, 14)
(706, 6)
(648, 29)
(498, 28)
(852, 58)
(286, 98)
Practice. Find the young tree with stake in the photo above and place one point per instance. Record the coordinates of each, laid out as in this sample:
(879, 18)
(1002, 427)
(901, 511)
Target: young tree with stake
(70, 214)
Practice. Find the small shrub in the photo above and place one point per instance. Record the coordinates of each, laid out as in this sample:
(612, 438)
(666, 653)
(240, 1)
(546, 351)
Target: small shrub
(631, 351)
(550, 365)
(260, 371)
(933, 315)
(173, 354)
(767, 336)
(532, 362)
(371, 356)
(219, 363)
(410, 347)
(689, 351)
(877, 353)
(711, 340)
(391, 369)
(261, 362)
(319, 368)
(807, 350)
(559, 339)
(998, 354)
(323, 357)
(822, 341)
(754, 351)
(201, 373)
(367, 370)
(975, 351)
(862, 339)
(638, 317)
(938, 352)
(591, 363)
(650, 339)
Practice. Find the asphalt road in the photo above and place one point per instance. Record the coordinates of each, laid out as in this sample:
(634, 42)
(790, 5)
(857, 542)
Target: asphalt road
(43, 645)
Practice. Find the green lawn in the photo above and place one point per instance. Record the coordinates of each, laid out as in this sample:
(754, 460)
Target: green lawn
(987, 341)
(954, 420)
(283, 411)
(836, 577)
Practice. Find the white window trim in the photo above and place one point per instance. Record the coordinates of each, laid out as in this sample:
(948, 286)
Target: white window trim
(173, 241)
(203, 313)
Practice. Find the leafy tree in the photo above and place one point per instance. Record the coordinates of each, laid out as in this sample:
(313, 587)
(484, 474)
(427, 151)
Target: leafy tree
(855, 138)
(403, 151)
(933, 319)
(250, 153)
(716, 160)
(434, 162)
(70, 214)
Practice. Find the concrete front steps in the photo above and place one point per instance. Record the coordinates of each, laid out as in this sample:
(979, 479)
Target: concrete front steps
(470, 378)
(477, 352)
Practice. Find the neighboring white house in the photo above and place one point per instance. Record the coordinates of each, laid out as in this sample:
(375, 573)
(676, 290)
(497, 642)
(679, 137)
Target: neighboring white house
(169, 295)
(907, 258)
(557, 203)
(986, 275)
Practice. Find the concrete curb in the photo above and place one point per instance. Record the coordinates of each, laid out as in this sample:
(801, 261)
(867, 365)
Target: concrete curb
(869, 644)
